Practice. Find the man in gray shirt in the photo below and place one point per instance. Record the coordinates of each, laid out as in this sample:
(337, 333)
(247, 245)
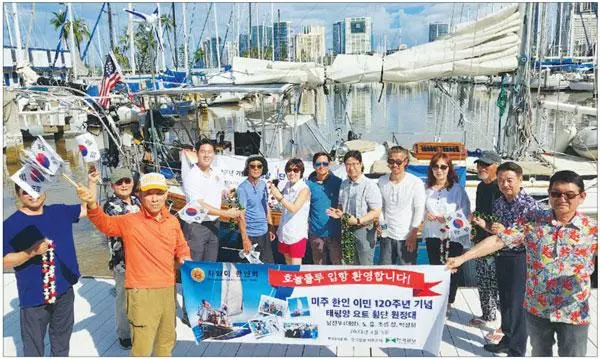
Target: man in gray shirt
(361, 200)
(403, 197)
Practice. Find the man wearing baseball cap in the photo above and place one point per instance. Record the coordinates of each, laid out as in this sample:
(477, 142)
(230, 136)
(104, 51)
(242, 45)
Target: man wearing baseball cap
(153, 239)
(487, 192)
(121, 202)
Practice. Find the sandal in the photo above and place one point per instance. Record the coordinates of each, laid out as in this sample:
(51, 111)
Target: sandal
(477, 322)
(495, 336)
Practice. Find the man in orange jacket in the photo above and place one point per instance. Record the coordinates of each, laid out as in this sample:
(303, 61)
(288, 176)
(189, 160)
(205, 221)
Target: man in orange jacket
(153, 239)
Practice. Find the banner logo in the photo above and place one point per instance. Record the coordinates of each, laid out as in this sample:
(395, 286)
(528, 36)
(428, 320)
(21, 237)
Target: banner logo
(197, 274)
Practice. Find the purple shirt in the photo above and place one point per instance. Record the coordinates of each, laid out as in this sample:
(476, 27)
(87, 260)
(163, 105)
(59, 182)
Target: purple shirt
(508, 212)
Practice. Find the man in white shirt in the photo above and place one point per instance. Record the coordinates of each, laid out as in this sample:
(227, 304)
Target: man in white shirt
(403, 209)
(203, 183)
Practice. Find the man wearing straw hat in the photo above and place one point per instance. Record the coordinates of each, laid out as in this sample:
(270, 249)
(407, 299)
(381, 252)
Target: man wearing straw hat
(38, 244)
(153, 239)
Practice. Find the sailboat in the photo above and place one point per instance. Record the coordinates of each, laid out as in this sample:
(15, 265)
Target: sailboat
(218, 324)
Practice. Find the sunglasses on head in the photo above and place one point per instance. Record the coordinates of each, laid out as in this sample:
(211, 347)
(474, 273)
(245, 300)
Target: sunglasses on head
(567, 195)
(392, 162)
(319, 164)
(256, 167)
(295, 170)
(440, 167)
(123, 180)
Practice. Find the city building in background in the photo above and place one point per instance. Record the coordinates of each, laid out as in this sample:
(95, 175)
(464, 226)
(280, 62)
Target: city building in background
(210, 52)
(437, 30)
(243, 45)
(310, 44)
(562, 30)
(282, 36)
(584, 29)
(261, 37)
(339, 39)
(357, 35)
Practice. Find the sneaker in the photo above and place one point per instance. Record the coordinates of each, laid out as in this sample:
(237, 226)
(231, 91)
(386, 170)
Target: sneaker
(125, 344)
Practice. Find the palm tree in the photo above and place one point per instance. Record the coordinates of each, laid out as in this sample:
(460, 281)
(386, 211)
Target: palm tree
(80, 28)
(168, 26)
(198, 56)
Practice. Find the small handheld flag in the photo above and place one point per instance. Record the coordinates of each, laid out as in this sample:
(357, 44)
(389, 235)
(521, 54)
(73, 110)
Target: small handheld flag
(193, 212)
(88, 147)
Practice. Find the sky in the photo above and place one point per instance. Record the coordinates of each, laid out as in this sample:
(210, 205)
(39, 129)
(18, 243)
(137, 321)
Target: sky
(397, 23)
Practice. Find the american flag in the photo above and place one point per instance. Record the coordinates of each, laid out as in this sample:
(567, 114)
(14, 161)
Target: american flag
(112, 76)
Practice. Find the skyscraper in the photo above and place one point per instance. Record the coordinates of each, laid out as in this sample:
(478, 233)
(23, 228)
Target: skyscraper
(339, 38)
(437, 30)
(584, 29)
(243, 42)
(357, 35)
(261, 37)
(282, 38)
(310, 45)
(561, 42)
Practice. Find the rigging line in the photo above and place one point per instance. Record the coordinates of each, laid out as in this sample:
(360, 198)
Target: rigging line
(204, 26)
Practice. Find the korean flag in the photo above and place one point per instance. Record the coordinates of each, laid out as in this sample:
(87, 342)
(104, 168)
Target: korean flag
(193, 212)
(44, 157)
(459, 224)
(31, 180)
(88, 147)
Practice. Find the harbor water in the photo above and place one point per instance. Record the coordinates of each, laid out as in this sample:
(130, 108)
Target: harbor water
(403, 114)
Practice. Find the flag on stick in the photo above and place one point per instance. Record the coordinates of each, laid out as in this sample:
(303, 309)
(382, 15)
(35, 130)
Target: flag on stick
(43, 157)
(88, 147)
(31, 180)
(193, 212)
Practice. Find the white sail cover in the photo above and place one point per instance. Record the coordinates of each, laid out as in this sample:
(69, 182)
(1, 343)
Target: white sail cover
(487, 47)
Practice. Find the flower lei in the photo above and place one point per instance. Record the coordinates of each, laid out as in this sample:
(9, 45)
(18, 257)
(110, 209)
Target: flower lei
(444, 243)
(49, 284)
(348, 241)
(488, 218)
(231, 200)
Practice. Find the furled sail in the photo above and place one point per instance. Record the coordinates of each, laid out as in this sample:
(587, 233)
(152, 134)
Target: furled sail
(487, 47)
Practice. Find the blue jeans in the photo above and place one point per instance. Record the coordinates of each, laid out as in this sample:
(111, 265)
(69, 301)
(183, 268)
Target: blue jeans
(572, 339)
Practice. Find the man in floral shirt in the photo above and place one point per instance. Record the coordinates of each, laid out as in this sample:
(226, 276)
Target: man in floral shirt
(121, 202)
(560, 245)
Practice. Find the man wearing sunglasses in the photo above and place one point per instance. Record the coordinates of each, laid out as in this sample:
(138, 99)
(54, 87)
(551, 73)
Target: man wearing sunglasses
(121, 202)
(560, 244)
(324, 231)
(403, 197)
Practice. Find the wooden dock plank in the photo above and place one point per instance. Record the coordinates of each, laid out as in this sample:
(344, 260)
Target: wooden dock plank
(94, 330)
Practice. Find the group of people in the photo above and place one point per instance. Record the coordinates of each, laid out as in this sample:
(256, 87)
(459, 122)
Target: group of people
(549, 254)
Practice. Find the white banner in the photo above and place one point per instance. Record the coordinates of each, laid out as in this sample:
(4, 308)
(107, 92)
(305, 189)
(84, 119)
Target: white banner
(372, 306)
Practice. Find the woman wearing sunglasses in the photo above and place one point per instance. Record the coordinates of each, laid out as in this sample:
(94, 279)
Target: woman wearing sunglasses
(445, 198)
(295, 200)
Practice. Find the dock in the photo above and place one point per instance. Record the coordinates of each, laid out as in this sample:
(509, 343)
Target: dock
(94, 330)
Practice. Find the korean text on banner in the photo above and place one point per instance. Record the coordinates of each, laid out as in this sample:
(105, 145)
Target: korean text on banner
(374, 306)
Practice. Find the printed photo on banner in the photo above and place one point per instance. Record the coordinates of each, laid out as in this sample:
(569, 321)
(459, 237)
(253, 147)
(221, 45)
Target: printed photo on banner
(269, 305)
(299, 330)
(264, 325)
(298, 307)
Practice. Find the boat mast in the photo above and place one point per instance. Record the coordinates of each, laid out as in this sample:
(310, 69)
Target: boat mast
(217, 37)
(17, 33)
(249, 27)
(272, 35)
(111, 32)
(72, 41)
(175, 37)
(131, 40)
(10, 35)
(185, 41)
(160, 39)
